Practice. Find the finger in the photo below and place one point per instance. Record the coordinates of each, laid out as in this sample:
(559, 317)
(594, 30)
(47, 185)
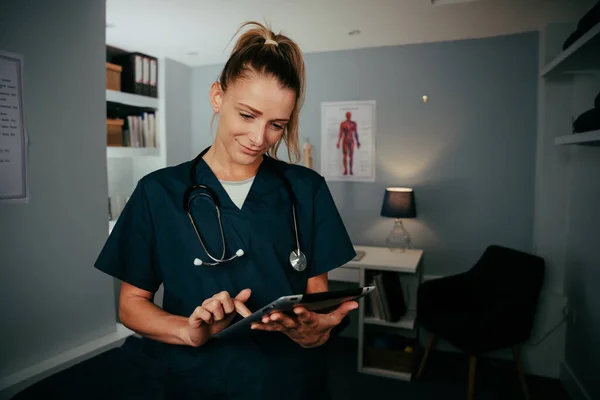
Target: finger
(241, 308)
(340, 313)
(216, 309)
(271, 326)
(226, 301)
(199, 316)
(244, 295)
(305, 317)
(286, 321)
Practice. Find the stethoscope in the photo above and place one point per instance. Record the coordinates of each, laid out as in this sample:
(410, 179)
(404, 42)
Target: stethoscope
(297, 258)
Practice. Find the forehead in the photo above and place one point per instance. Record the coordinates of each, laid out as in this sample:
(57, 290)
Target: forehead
(264, 93)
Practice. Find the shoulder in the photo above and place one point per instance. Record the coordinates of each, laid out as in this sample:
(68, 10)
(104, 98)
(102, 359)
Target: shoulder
(299, 176)
(166, 178)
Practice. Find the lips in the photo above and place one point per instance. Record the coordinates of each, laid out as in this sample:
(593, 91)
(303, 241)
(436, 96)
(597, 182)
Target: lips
(248, 150)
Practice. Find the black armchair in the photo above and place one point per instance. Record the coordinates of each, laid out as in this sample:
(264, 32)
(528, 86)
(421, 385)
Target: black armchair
(489, 307)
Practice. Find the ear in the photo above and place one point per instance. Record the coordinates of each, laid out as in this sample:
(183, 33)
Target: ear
(216, 96)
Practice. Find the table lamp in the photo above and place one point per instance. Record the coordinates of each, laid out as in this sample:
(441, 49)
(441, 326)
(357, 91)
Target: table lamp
(398, 203)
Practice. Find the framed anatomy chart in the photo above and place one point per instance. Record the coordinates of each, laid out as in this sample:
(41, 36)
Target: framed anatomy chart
(348, 141)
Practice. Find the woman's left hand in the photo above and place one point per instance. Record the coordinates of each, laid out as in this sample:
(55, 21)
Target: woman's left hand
(307, 328)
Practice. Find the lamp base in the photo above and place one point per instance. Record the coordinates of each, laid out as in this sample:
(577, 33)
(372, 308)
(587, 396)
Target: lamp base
(398, 240)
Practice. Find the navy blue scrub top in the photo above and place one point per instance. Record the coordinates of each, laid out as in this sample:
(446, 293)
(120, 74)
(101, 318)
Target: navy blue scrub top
(153, 242)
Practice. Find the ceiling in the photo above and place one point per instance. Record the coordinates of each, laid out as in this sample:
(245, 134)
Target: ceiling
(198, 32)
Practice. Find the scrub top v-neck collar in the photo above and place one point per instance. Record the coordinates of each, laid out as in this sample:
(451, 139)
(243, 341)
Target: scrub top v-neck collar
(265, 181)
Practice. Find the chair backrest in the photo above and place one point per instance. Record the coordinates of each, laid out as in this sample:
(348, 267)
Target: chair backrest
(509, 279)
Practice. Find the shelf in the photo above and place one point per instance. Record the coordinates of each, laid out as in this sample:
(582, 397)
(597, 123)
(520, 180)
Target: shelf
(586, 138)
(405, 376)
(407, 322)
(383, 259)
(130, 99)
(132, 152)
(583, 55)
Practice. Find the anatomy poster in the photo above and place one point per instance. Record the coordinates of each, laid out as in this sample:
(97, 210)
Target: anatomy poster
(348, 141)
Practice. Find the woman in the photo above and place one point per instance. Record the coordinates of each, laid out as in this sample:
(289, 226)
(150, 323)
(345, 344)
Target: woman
(169, 233)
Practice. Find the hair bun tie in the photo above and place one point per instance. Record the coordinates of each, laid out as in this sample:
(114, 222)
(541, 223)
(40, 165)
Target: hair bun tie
(271, 41)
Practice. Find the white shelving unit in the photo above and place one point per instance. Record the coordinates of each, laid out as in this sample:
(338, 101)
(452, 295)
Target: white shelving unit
(131, 152)
(582, 56)
(585, 138)
(569, 81)
(407, 322)
(127, 165)
(408, 266)
(131, 99)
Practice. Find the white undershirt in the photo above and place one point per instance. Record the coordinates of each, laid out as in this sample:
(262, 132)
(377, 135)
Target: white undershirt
(237, 190)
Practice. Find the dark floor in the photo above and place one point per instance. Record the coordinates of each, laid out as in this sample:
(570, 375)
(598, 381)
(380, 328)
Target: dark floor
(445, 377)
(118, 374)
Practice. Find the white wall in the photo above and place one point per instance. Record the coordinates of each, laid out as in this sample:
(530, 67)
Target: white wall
(51, 297)
(178, 111)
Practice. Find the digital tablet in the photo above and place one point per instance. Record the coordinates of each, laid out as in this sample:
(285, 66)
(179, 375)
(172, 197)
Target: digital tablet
(318, 302)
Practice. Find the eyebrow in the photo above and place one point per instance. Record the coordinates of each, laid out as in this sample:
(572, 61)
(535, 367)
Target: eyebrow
(255, 111)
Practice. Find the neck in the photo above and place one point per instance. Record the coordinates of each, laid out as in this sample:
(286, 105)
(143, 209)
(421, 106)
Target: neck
(225, 168)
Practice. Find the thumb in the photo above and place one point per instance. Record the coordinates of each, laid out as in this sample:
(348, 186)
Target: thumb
(244, 295)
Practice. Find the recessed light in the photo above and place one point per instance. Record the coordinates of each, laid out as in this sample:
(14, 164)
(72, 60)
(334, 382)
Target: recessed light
(354, 32)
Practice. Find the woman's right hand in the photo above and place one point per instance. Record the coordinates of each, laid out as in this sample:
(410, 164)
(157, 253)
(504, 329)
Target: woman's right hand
(214, 315)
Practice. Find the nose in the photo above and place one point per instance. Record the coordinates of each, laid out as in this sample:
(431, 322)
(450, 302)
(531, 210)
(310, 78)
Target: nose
(257, 135)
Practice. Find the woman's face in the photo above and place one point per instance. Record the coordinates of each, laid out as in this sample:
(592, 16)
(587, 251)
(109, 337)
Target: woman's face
(252, 115)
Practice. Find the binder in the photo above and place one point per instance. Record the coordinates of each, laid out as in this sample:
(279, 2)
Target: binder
(140, 74)
(132, 75)
(153, 77)
(146, 75)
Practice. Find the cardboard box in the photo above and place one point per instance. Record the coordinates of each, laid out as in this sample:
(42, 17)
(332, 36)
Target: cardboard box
(113, 76)
(114, 132)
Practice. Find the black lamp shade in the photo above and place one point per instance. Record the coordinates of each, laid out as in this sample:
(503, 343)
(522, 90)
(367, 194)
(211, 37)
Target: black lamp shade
(399, 203)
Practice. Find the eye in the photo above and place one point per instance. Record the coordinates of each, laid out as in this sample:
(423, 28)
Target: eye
(246, 116)
(278, 127)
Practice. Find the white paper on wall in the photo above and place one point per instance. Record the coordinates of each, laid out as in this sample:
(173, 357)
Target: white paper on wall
(13, 135)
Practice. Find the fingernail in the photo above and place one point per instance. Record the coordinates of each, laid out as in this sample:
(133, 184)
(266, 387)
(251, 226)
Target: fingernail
(298, 311)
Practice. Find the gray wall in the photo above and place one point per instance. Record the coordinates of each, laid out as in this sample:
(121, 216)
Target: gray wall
(468, 152)
(178, 111)
(51, 298)
(202, 78)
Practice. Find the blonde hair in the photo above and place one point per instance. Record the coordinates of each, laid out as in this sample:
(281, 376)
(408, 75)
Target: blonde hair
(262, 51)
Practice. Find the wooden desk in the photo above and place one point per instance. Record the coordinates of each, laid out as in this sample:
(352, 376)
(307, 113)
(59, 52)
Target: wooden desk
(408, 266)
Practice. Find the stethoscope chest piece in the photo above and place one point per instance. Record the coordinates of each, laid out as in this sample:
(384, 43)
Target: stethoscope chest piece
(298, 260)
